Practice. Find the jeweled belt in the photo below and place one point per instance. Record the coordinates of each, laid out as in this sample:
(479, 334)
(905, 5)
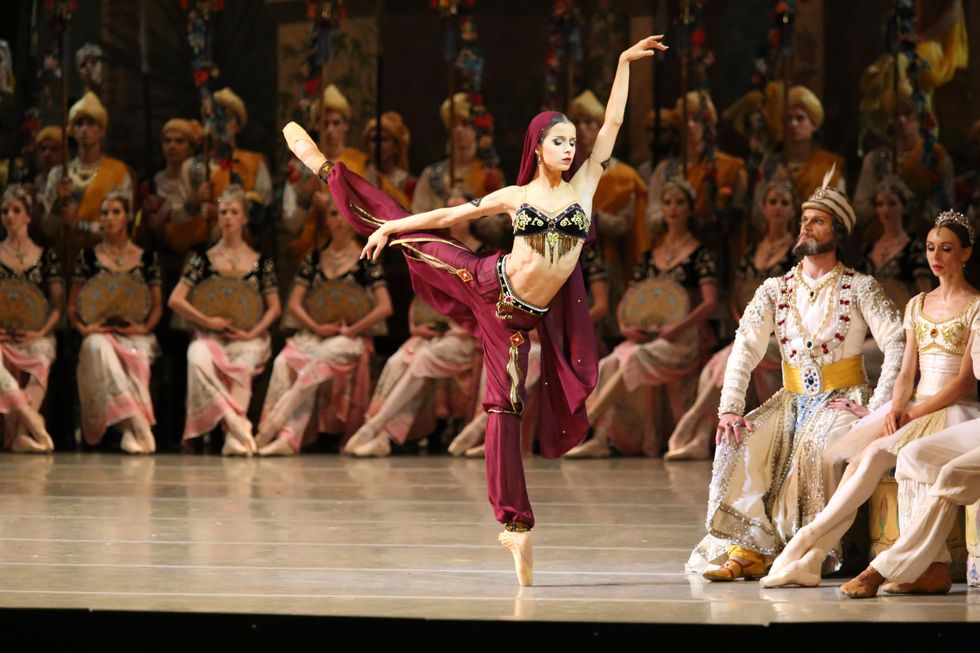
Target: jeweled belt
(812, 379)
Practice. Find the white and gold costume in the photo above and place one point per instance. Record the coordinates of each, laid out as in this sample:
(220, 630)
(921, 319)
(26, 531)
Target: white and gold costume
(765, 488)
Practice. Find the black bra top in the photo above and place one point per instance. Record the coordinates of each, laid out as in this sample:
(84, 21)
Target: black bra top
(571, 221)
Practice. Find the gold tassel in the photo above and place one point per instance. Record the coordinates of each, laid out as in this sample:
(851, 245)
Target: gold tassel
(514, 368)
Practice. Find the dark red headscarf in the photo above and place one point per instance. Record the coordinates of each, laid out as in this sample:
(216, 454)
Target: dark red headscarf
(532, 137)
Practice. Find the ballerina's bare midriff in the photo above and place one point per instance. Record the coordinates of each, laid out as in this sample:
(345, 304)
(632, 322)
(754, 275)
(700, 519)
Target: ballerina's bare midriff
(547, 246)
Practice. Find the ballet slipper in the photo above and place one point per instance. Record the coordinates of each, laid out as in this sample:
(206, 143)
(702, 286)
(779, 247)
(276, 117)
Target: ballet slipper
(479, 451)
(129, 443)
(597, 447)
(466, 440)
(35, 424)
(278, 447)
(694, 450)
(24, 443)
(144, 435)
(238, 437)
(795, 549)
(864, 586)
(361, 437)
(264, 437)
(302, 146)
(379, 447)
(934, 580)
(796, 573)
(519, 545)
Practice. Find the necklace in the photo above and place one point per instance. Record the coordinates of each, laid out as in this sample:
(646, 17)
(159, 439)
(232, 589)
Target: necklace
(887, 250)
(83, 173)
(672, 250)
(19, 253)
(775, 246)
(233, 256)
(116, 256)
(336, 260)
(813, 290)
(808, 339)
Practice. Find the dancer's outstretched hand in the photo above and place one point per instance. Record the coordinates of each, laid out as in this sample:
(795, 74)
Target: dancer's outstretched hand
(644, 48)
(376, 242)
(302, 146)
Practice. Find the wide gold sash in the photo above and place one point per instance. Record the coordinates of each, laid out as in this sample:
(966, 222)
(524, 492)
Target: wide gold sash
(815, 379)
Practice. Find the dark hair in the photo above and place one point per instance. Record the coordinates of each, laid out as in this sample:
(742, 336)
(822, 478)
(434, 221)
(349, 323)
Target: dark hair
(960, 231)
(841, 234)
(19, 193)
(556, 119)
(117, 195)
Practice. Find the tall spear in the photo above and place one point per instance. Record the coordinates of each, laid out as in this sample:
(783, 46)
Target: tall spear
(685, 48)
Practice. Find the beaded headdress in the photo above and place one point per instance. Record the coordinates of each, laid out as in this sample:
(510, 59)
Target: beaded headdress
(681, 184)
(19, 192)
(829, 199)
(955, 217)
(892, 184)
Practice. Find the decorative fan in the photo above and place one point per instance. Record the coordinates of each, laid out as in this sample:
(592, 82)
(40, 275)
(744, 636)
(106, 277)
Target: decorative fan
(655, 302)
(22, 305)
(114, 296)
(338, 300)
(423, 314)
(230, 298)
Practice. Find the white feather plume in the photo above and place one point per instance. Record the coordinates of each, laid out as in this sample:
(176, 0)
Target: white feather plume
(828, 176)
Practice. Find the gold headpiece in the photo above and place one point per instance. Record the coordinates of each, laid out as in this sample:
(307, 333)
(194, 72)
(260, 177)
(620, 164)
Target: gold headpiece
(393, 124)
(949, 217)
(587, 104)
(333, 100)
(89, 105)
(51, 132)
(693, 101)
(229, 100)
(460, 107)
(829, 199)
(191, 129)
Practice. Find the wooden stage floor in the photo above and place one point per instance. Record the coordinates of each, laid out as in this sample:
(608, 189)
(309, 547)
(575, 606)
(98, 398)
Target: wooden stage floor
(405, 537)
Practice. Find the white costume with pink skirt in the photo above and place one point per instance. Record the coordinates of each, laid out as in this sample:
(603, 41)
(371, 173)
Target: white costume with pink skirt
(220, 371)
(25, 365)
(328, 378)
(114, 370)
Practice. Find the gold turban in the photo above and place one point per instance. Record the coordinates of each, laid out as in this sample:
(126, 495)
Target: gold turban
(229, 100)
(393, 125)
(331, 100)
(461, 109)
(587, 104)
(770, 102)
(89, 106)
(49, 133)
(829, 199)
(693, 102)
(191, 129)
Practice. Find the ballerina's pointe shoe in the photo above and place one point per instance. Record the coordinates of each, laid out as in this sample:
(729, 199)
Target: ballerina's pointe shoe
(360, 438)
(301, 145)
(24, 443)
(278, 447)
(597, 447)
(519, 545)
(690, 451)
(479, 451)
(35, 424)
(863, 586)
(129, 443)
(379, 447)
(934, 580)
(467, 439)
(794, 550)
(238, 437)
(799, 573)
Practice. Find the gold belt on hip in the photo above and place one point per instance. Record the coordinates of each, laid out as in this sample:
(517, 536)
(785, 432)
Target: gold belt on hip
(812, 379)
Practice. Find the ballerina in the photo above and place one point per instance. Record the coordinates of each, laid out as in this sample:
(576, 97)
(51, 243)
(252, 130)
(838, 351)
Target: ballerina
(500, 296)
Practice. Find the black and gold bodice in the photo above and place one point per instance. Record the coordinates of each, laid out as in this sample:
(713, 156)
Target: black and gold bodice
(747, 271)
(87, 265)
(593, 264)
(905, 266)
(366, 273)
(697, 268)
(261, 277)
(557, 234)
(46, 269)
